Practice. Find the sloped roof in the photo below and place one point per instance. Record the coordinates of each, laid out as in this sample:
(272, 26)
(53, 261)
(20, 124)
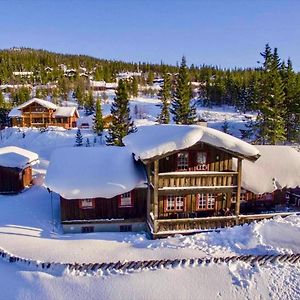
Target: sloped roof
(277, 167)
(88, 172)
(15, 157)
(15, 112)
(151, 141)
(41, 102)
(65, 111)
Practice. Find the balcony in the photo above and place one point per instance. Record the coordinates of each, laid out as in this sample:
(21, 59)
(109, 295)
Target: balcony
(196, 182)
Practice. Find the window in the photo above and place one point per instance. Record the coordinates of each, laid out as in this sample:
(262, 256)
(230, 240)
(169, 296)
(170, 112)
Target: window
(211, 201)
(126, 200)
(182, 161)
(174, 203)
(37, 120)
(87, 229)
(125, 228)
(201, 201)
(201, 161)
(206, 201)
(87, 204)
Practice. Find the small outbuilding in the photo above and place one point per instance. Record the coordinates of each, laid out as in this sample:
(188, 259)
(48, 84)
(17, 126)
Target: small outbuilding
(100, 188)
(272, 180)
(16, 169)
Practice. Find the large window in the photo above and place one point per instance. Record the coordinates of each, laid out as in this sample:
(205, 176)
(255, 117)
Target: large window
(87, 204)
(174, 203)
(201, 161)
(182, 161)
(126, 200)
(206, 201)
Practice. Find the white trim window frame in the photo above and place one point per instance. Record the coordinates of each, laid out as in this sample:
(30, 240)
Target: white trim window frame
(182, 161)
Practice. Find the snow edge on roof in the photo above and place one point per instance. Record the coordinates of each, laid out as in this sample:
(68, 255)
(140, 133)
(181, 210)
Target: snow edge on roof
(157, 140)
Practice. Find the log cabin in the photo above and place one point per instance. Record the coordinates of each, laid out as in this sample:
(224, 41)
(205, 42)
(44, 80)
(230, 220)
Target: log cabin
(267, 183)
(40, 113)
(16, 169)
(190, 173)
(100, 189)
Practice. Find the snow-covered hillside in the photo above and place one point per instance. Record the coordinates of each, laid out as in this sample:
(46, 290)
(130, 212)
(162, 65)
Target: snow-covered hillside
(29, 228)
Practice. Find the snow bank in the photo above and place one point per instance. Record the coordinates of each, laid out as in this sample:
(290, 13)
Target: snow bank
(15, 157)
(151, 141)
(278, 167)
(78, 173)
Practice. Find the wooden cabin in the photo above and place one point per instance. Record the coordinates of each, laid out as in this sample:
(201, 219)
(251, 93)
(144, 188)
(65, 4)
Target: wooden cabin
(190, 173)
(107, 192)
(40, 113)
(267, 183)
(16, 169)
(292, 197)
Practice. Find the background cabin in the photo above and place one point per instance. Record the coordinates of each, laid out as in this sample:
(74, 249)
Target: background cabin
(40, 113)
(16, 169)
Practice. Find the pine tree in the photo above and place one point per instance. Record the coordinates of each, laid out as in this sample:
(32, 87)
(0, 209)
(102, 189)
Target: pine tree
(78, 139)
(292, 102)
(79, 93)
(165, 97)
(98, 119)
(89, 103)
(2, 102)
(121, 124)
(134, 87)
(183, 112)
(225, 126)
(271, 110)
(87, 143)
(150, 78)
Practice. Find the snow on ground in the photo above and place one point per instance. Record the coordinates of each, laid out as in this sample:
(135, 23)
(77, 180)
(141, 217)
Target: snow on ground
(238, 281)
(26, 230)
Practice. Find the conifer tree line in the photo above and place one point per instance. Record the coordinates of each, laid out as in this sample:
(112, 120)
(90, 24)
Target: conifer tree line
(272, 89)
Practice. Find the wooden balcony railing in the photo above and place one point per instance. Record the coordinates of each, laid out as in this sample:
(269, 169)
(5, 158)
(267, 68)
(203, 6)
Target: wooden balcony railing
(196, 181)
(186, 225)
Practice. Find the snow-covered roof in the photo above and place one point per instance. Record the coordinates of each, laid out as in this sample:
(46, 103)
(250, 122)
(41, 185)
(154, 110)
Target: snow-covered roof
(15, 157)
(15, 112)
(157, 140)
(41, 102)
(88, 172)
(277, 167)
(65, 111)
(95, 83)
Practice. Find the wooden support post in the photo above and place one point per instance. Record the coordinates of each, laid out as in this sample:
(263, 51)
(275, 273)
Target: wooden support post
(148, 191)
(155, 194)
(239, 187)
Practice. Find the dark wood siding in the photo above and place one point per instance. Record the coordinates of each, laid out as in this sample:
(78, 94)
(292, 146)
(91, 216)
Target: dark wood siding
(217, 160)
(13, 180)
(105, 208)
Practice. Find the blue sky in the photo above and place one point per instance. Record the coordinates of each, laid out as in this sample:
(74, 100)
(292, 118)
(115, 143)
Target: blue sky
(225, 33)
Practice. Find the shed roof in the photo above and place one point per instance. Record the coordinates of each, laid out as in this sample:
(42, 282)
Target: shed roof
(84, 172)
(15, 157)
(277, 167)
(65, 111)
(151, 141)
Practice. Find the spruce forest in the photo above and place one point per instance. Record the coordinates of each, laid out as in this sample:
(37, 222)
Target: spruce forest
(272, 89)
